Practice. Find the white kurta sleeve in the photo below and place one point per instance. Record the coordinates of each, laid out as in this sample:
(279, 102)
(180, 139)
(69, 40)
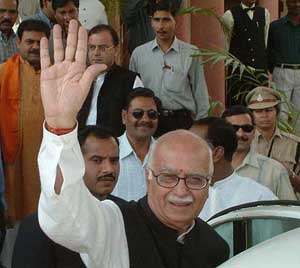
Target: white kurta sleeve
(74, 218)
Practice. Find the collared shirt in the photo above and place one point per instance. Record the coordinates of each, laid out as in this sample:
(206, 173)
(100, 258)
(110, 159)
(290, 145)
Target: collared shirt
(282, 146)
(40, 15)
(232, 191)
(92, 117)
(132, 179)
(284, 42)
(74, 218)
(92, 13)
(229, 21)
(8, 47)
(175, 77)
(267, 172)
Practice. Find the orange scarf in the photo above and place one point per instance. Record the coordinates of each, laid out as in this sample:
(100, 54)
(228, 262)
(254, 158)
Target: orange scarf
(10, 108)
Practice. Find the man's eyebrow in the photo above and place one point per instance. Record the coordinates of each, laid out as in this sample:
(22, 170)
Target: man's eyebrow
(168, 169)
(161, 18)
(97, 156)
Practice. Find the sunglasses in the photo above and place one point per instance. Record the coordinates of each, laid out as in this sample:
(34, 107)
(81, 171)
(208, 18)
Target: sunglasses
(139, 113)
(246, 128)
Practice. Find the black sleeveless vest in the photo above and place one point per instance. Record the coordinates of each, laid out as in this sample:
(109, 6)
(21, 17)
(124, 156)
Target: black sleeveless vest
(152, 244)
(117, 84)
(248, 37)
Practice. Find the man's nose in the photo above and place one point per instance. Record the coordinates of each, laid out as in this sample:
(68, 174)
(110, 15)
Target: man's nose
(181, 189)
(107, 166)
(239, 133)
(36, 45)
(67, 17)
(7, 15)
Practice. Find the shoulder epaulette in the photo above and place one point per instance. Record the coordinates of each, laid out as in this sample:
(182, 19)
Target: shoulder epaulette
(291, 136)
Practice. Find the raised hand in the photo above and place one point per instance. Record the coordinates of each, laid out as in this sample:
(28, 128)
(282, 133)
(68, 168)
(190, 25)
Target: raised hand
(65, 85)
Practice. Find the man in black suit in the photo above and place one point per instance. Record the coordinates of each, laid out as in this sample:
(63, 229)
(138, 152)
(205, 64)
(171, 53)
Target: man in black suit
(248, 24)
(33, 249)
(107, 96)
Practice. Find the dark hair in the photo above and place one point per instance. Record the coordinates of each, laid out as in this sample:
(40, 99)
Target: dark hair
(41, 4)
(61, 3)
(220, 133)
(237, 110)
(97, 132)
(142, 92)
(33, 26)
(171, 6)
(105, 28)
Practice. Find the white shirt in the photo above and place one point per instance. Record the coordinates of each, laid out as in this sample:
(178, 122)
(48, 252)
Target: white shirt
(92, 13)
(132, 178)
(92, 117)
(74, 218)
(233, 191)
(229, 21)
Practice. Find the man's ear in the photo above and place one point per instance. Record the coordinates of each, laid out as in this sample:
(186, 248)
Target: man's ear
(218, 153)
(18, 42)
(117, 55)
(124, 115)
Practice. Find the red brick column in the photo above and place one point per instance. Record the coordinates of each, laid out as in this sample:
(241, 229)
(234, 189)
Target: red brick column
(272, 6)
(207, 33)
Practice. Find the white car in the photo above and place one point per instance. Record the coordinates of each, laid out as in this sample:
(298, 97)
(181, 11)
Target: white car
(262, 234)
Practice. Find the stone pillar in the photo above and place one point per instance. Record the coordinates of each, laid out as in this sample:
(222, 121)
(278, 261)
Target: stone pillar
(206, 32)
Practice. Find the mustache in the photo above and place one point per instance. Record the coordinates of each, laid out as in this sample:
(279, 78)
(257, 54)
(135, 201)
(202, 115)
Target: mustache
(6, 21)
(107, 177)
(144, 124)
(176, 199)
(243, 138)
(35, 51)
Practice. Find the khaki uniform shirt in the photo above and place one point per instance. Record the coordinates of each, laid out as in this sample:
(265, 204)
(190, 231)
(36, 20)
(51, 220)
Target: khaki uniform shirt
(268, 172)
(282, 147)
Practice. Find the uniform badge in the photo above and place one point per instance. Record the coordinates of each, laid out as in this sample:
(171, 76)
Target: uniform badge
(259, 98)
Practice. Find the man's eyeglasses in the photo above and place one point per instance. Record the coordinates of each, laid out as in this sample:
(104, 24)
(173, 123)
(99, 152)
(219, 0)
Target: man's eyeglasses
(102, 48)
(139, 113)
(246, 128)
(193, 182)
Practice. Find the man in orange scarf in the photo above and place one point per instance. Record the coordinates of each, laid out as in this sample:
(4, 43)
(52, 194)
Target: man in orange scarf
(21, 118)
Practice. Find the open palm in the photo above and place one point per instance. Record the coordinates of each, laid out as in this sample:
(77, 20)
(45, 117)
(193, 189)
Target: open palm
(65, 85)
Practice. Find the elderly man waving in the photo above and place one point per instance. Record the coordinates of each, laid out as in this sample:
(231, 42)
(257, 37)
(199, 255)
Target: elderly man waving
(161, 229)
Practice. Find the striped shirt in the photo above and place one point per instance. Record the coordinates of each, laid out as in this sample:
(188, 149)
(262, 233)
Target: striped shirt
(8, 46)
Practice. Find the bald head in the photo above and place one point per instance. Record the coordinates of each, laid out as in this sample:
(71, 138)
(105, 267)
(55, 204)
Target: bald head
(182, 143)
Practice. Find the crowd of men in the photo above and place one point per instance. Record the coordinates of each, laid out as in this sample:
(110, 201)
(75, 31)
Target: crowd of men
(130, 166)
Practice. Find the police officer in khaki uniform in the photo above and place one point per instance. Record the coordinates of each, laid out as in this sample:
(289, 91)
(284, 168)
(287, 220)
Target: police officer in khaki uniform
(269, 140)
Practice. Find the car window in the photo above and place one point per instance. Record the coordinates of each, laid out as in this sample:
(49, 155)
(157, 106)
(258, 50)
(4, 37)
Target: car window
(243, 234)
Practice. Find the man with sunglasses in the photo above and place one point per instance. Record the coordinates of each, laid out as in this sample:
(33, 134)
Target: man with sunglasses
(160, 230)
(269, 140)
(107, 96)
(227, 188)
(248, 163)
(140, 117)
